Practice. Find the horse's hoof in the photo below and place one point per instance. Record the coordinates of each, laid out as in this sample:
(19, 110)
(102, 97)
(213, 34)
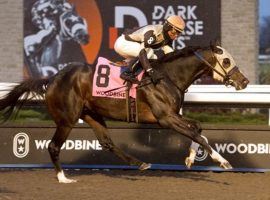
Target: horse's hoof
(226, 165)
(145, 166)
(67, 181)
(188, 162)
(63, 179)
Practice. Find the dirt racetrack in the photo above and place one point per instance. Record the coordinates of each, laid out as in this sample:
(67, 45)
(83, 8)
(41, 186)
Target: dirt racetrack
(41, 184)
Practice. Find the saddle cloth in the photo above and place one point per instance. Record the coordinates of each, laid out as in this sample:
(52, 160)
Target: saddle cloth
(107, 77)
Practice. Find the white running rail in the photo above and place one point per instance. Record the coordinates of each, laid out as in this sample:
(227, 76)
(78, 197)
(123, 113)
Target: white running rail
(254, 96)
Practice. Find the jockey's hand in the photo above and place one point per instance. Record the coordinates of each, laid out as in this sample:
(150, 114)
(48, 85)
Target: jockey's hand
(155, 76)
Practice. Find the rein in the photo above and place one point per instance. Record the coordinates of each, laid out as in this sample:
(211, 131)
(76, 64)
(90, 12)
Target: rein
(199, 56)
(141, 84)
(226, 77)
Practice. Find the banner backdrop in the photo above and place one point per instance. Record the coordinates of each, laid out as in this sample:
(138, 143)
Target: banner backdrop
(49, 43)
(246, 148)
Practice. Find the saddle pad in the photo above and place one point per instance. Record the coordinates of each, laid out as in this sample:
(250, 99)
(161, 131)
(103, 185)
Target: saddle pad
(107, 77)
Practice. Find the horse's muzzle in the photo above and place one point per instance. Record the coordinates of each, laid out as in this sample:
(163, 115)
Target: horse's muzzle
(242, 85)
(239, 81)
(82, 37)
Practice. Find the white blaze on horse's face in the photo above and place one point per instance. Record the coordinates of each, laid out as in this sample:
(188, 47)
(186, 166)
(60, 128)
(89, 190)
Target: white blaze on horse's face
(74, 27)
(228, 72)
(225, 60)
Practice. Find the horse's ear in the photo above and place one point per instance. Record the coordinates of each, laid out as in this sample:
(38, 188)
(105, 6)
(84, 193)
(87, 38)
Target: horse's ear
(218, 43)
(214, 48)
(214, 43)
(73, 8)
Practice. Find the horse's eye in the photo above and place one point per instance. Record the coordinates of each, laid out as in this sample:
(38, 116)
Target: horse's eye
(226, 63)
(218, 50)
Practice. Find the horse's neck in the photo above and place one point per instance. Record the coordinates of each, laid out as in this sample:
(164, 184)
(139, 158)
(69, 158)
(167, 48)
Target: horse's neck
(64, 36)
(51, 52)
(183, 71)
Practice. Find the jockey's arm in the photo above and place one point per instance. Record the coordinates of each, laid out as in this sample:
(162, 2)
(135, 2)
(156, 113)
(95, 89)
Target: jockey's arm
(167, 49)
(149, 52)
(148, 40)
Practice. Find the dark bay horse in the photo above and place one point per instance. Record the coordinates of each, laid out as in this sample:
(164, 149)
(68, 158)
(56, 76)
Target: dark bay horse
(68, 97)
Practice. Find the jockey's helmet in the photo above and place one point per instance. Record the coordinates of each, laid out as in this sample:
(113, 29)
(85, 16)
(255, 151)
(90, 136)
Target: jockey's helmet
(174, 22)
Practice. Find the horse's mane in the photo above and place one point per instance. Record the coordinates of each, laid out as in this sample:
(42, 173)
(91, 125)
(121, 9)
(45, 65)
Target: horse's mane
(185, 52)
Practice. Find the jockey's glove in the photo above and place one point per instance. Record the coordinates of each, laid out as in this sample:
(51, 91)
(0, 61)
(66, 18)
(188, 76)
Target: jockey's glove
(155, 77)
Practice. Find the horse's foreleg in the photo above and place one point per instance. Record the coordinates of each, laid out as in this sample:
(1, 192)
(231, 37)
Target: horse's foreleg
(218, 158)
(189, 161)
(192, 154)
(182, 126)
(100, 130)
(194, 148)
(54, 148)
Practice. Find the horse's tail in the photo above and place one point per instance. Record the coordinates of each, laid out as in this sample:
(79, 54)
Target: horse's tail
(15, 99)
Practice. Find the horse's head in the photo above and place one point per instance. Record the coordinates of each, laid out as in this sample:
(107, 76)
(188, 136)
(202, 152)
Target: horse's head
(226, 70)
(74, 27)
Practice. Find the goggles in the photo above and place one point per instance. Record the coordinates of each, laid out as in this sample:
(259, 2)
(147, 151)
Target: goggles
(175, 32)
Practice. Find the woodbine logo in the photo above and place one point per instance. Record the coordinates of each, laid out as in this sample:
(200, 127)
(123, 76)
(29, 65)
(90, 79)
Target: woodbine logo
(201, 152)
(21, 145)
(243, 148)
(71, 145)
(232, 148)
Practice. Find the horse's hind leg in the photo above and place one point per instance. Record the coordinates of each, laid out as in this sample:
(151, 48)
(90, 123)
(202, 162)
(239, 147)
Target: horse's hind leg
(55, 145)
(99, 127)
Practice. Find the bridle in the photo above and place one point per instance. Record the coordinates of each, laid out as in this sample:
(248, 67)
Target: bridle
(226, 76)
(67, 33)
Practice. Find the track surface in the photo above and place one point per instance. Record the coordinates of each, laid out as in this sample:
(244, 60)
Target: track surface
(41, 184)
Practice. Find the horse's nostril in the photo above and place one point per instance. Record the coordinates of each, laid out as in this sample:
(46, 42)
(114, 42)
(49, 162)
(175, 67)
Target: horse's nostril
(85, 39)
(82, 38)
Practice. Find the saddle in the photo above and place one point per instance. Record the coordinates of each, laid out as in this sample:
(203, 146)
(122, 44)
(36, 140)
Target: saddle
(107, 83)
(121, 63)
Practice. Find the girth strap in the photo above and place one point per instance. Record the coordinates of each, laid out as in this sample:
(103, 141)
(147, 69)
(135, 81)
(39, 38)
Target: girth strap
(131, 106)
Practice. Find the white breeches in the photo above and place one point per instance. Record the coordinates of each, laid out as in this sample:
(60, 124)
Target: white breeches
(130, 50)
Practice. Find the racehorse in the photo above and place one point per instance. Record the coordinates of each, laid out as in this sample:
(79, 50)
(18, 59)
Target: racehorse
(68, 97)
(55, 52)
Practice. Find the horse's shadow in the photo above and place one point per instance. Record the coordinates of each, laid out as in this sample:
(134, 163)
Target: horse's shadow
(135, 175)
(4, 190)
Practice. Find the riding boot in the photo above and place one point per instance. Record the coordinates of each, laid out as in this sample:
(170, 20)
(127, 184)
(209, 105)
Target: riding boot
(131, 72)
(137, 69)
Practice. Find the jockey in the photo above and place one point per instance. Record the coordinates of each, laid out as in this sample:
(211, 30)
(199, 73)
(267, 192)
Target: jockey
(138, 44)
(45, 16)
